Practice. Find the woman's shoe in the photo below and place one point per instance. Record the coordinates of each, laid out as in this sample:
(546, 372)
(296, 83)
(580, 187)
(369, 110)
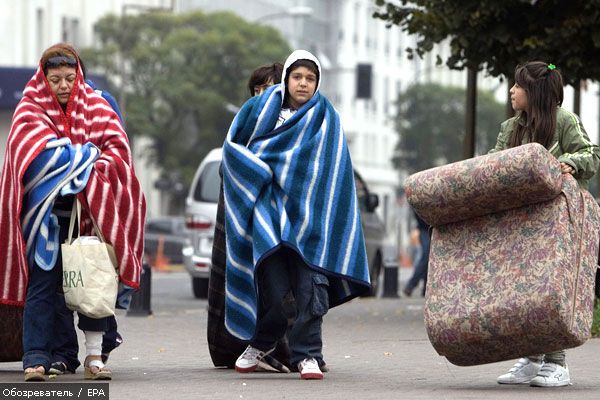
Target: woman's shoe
(35, 374)
(94, 369)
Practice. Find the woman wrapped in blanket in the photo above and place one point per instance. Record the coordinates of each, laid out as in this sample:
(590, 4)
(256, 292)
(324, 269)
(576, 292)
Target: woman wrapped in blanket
(291, 219)
(65, 142)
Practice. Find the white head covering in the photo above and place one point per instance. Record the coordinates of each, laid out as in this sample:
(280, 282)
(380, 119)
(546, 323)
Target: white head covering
(300, 55)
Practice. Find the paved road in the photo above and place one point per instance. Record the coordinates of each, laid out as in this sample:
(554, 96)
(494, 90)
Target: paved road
(376, 349)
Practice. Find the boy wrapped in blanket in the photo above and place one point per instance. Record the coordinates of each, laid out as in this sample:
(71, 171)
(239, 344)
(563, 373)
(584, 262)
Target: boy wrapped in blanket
(291, 218)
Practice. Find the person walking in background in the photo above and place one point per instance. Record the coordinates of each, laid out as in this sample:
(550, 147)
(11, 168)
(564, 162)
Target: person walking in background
(291, 217)
(422, 261)
(537, 97)
(58, 150)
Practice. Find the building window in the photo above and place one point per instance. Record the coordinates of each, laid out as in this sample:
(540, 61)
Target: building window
(386, 96)
(74, 32)
(65, 29)
(356, 23)
(387, 39)
(39, 17)
(70, 30)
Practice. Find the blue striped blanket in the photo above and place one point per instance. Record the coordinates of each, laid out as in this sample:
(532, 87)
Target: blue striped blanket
(60, 169)
(291, 186)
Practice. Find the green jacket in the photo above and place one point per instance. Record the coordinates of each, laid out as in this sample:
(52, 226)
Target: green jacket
(570, 145)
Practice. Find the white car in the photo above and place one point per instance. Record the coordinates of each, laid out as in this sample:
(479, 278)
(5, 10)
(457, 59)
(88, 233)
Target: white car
(200, 217)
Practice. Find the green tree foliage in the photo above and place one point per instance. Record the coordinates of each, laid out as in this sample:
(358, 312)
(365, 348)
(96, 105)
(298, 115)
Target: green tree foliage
(497, 35)
(180, 72)
(430, 122)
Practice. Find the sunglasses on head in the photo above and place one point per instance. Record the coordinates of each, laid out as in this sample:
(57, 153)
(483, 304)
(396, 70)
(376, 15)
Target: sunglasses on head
(58, 61)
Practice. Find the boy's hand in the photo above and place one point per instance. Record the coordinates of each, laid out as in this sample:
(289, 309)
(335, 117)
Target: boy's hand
(566, 168)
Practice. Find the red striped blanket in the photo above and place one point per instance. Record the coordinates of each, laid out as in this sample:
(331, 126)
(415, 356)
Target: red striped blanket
(113, 195)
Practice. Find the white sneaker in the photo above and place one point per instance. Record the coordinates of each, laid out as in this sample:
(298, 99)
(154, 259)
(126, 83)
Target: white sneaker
(249, 359)
(309, 369)
(552, 375)
(522, 372)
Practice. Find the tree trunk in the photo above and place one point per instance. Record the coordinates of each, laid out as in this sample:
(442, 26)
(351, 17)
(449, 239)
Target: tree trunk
(577, 98)
(470, 114)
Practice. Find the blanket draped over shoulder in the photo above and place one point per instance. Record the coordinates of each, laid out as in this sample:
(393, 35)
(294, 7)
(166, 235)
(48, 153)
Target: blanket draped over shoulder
(112, 195)
(292, 186)
(61, 169)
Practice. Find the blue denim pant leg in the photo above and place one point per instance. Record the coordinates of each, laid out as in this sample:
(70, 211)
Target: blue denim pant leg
(65, 347)
(310, 289)
(38, 316)
(420, 271)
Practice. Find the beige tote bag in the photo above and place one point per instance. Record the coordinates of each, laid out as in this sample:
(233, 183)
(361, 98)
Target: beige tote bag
(90, 279)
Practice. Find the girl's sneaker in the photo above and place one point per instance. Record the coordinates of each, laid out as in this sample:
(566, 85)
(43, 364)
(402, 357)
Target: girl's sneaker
(522, 372)
(552, 375)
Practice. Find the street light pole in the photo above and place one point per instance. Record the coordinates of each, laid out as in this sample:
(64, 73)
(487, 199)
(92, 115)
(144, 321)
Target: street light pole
(470, 114)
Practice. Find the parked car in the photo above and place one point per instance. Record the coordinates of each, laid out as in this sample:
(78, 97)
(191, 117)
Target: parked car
(201, 209)
(200, 217)
(169, 230)
(373, 230)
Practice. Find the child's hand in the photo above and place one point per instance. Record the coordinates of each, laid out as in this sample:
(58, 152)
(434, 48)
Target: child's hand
(566, 168)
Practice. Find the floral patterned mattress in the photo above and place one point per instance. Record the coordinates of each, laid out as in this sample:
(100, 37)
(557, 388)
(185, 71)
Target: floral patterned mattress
(512, 283)
(508, 179)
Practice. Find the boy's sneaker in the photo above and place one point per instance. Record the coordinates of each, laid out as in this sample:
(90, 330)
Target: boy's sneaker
(522, 372)
(309, 369)
(248, 361)
(59, 368)
(552, 375)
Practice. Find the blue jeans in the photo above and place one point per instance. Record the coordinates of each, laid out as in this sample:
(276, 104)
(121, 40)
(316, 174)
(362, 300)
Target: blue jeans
(279, 273)
(41, 327)
(65, 347)
(420, 271)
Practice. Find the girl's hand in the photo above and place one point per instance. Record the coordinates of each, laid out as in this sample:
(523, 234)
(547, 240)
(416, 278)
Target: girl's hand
(566, 168)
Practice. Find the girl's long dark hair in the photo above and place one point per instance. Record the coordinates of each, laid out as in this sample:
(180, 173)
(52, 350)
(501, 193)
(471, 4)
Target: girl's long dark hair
(544, 88)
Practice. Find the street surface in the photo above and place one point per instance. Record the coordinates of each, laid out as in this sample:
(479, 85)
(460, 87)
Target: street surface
(375, 348)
